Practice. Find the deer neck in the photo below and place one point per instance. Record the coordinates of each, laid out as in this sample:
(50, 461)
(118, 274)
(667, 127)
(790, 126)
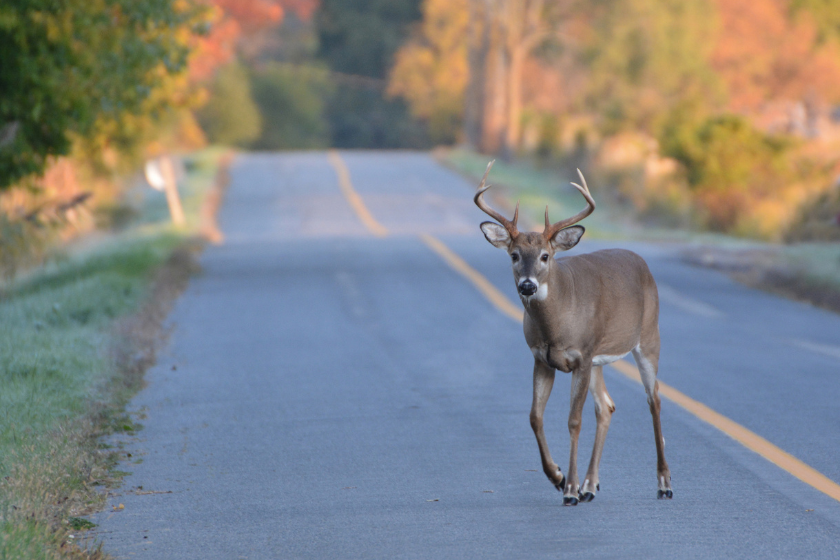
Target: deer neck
(547, 313)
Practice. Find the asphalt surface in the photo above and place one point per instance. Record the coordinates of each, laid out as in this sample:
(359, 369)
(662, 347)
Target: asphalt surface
(330, 394)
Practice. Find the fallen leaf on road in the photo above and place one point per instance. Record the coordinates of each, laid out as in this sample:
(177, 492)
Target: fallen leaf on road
(487, 491)
(121, 506)
(530, 470)
(147, 492)
(435, 500)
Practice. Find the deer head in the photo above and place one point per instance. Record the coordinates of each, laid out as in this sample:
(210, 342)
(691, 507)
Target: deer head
(532, 253)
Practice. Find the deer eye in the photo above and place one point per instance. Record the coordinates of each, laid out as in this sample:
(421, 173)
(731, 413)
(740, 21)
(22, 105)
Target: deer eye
(514, 257)
(544, 257)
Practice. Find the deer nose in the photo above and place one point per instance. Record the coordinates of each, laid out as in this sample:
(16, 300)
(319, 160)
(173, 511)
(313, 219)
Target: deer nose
(527, 288)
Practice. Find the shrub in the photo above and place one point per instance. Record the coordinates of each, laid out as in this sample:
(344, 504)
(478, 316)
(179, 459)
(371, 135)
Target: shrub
(291, 102)
(729, 166)
(819, 220)
(230, 115)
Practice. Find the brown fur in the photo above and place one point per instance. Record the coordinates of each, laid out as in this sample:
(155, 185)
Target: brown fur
(598, 304)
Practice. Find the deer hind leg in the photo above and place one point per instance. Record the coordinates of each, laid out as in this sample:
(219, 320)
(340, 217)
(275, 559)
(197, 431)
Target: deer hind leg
(543, 382)
(580, 385)
(647, 358)
(604, 408)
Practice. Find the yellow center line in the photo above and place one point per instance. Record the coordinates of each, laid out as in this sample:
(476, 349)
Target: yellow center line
(353, 198)
(745, 437)
(742, 435)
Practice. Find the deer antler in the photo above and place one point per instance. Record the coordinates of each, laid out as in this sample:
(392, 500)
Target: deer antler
(509, 225)
(551, 229)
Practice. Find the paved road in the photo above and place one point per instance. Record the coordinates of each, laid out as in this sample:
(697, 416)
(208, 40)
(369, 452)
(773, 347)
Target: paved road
(339, 395)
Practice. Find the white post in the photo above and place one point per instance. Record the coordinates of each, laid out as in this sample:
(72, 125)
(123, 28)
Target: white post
(171, 188)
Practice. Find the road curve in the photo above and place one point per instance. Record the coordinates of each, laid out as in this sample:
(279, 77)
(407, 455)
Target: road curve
(333, 393)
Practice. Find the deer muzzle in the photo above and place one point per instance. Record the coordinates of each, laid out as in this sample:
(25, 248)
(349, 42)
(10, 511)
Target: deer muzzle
(527, 287)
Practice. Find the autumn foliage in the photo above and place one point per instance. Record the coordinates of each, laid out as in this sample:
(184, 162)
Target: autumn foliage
(229, 19)
(93, 87)
(765, 54)
(431, 70)
(725, 105)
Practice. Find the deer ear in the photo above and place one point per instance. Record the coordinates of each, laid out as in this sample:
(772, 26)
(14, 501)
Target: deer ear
(496, 234)
(567, 238)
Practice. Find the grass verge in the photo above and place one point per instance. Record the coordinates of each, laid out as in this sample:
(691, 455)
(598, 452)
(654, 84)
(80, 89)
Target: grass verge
(807, 272)
(75, 340)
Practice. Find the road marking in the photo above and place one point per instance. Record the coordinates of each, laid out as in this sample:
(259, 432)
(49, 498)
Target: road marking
(353, 198)
(742, 435)
(824, 349)
(484, 286)
(672, 296)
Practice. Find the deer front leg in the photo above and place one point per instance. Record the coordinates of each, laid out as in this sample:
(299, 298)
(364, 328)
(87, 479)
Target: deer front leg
(580, 385)
(604, 409)
(543, 382)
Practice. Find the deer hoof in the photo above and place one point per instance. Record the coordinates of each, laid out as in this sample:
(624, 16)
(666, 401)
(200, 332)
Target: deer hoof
(561, 485)
(587, 497)
(663, 494)
(570, 501)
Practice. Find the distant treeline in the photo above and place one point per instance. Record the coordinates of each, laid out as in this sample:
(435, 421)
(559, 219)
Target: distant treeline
(320, 83)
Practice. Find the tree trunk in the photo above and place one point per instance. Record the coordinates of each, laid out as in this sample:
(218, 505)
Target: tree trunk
(495, 129)
(514, 120)
(479, 45)
(495, 106)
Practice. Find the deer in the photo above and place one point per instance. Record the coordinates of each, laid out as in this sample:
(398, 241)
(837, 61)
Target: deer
(581, 313)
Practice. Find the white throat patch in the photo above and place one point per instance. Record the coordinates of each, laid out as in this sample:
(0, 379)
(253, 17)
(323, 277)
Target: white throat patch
(540, 295)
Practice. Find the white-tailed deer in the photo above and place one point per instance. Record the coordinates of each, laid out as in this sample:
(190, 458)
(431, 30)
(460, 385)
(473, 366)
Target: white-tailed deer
(581, 313)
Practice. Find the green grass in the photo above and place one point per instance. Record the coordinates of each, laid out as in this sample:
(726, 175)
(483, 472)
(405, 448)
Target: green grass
(61, 386)
(820, 260)
(56, 376)
(54, 327)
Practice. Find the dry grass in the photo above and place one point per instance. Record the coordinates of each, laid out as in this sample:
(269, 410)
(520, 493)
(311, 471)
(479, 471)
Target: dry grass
(138, 336)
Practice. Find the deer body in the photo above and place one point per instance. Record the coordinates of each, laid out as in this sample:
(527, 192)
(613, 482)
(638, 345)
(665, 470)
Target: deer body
(581, 313)
(566, 326)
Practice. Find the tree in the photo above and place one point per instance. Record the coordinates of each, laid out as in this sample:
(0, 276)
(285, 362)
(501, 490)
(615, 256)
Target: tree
(764, 53)
(229, 20)
(478, 46)
(359, 38)
(523, 25)
(230, 115)
(69, 64)
(505, 33)
(646, 58)
(825, 14)
(730, 165)
(291, 102)
(431, 71)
